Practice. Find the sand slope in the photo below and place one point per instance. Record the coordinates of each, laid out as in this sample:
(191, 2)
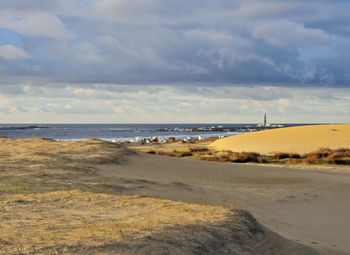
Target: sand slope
(301, 139)
(76, 222)
(306, 206)
(55, 199)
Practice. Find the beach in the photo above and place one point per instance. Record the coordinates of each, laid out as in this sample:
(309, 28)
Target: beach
(174, 127)
(294, 200)
(93, 196)
(307, 206)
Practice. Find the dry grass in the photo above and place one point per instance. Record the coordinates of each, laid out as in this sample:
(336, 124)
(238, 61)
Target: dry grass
(284, 155)
(321, 156)
(205, 154)
(43, 165)
(202, 152)
(198, 149)
(76, 222)
(327, 156)
(72, 221)
(45, 151)
(246, 157)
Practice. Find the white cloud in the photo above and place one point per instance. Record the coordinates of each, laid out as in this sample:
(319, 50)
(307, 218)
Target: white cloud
(283, 102)
(186, 105)
(11, 52)
(214, 36)
(121, 10)
(91, 57)
(4, 101)
(267, 9)
(161, 104)
(287, 34)
(35, 24)
(85, 92)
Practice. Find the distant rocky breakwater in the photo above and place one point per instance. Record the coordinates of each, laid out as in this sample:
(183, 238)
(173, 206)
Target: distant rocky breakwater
(22, 127)
(198, 133)
(246, 128)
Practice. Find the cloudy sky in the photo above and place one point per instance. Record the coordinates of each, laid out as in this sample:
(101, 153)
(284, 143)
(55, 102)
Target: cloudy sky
(166, 61)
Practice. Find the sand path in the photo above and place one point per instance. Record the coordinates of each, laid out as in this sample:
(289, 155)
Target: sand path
(311, 207)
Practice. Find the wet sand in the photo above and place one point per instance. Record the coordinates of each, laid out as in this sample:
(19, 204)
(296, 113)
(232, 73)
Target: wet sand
(308, 206)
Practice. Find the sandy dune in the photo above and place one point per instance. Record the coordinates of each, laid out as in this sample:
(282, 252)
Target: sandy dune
(68, 198)
(76, 222)
(301, 139)
(309, 207)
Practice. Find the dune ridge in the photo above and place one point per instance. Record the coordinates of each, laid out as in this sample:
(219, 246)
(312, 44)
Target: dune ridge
(300, 139)
(76, 222)
(56, 191)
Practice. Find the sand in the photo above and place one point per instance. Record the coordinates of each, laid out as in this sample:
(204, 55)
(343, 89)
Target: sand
(301, 139)
(95, 197)
(68, 198)
(307, 206)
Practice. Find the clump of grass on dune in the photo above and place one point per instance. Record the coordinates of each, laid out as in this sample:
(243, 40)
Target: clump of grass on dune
(42, 165)
(204, 153)
(284, 155)
(40, 150)
(241, 157)
(76, 222)
(245, 157)
(198, 149)
(326, 155)
(187, 152)
(321, 156)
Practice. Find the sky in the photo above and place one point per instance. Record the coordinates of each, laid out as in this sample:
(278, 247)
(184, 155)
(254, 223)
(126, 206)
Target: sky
(166, 61)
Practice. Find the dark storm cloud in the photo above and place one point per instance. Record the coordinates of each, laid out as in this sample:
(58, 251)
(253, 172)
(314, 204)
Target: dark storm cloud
(294, 43)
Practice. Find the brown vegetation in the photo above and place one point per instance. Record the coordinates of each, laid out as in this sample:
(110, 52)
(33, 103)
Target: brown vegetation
(204, 154)
(326, 155)
(198, 149)
(43, 165)
(76, 222)
(321, 156)
(284, 155)
(245, 157)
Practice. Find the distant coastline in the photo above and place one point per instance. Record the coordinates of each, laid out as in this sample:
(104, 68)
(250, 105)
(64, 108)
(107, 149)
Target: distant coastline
(21, 128)
(125, 132)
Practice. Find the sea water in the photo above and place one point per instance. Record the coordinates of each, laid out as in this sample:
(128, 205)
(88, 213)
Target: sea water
(109, 132)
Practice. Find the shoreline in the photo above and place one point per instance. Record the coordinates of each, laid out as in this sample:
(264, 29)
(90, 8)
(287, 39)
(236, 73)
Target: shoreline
(123, 132)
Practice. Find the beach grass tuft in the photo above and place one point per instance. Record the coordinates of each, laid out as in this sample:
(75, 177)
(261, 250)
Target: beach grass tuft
(322, 156)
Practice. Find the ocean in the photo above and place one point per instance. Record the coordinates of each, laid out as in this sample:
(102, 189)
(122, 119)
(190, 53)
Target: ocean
(109, 132)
